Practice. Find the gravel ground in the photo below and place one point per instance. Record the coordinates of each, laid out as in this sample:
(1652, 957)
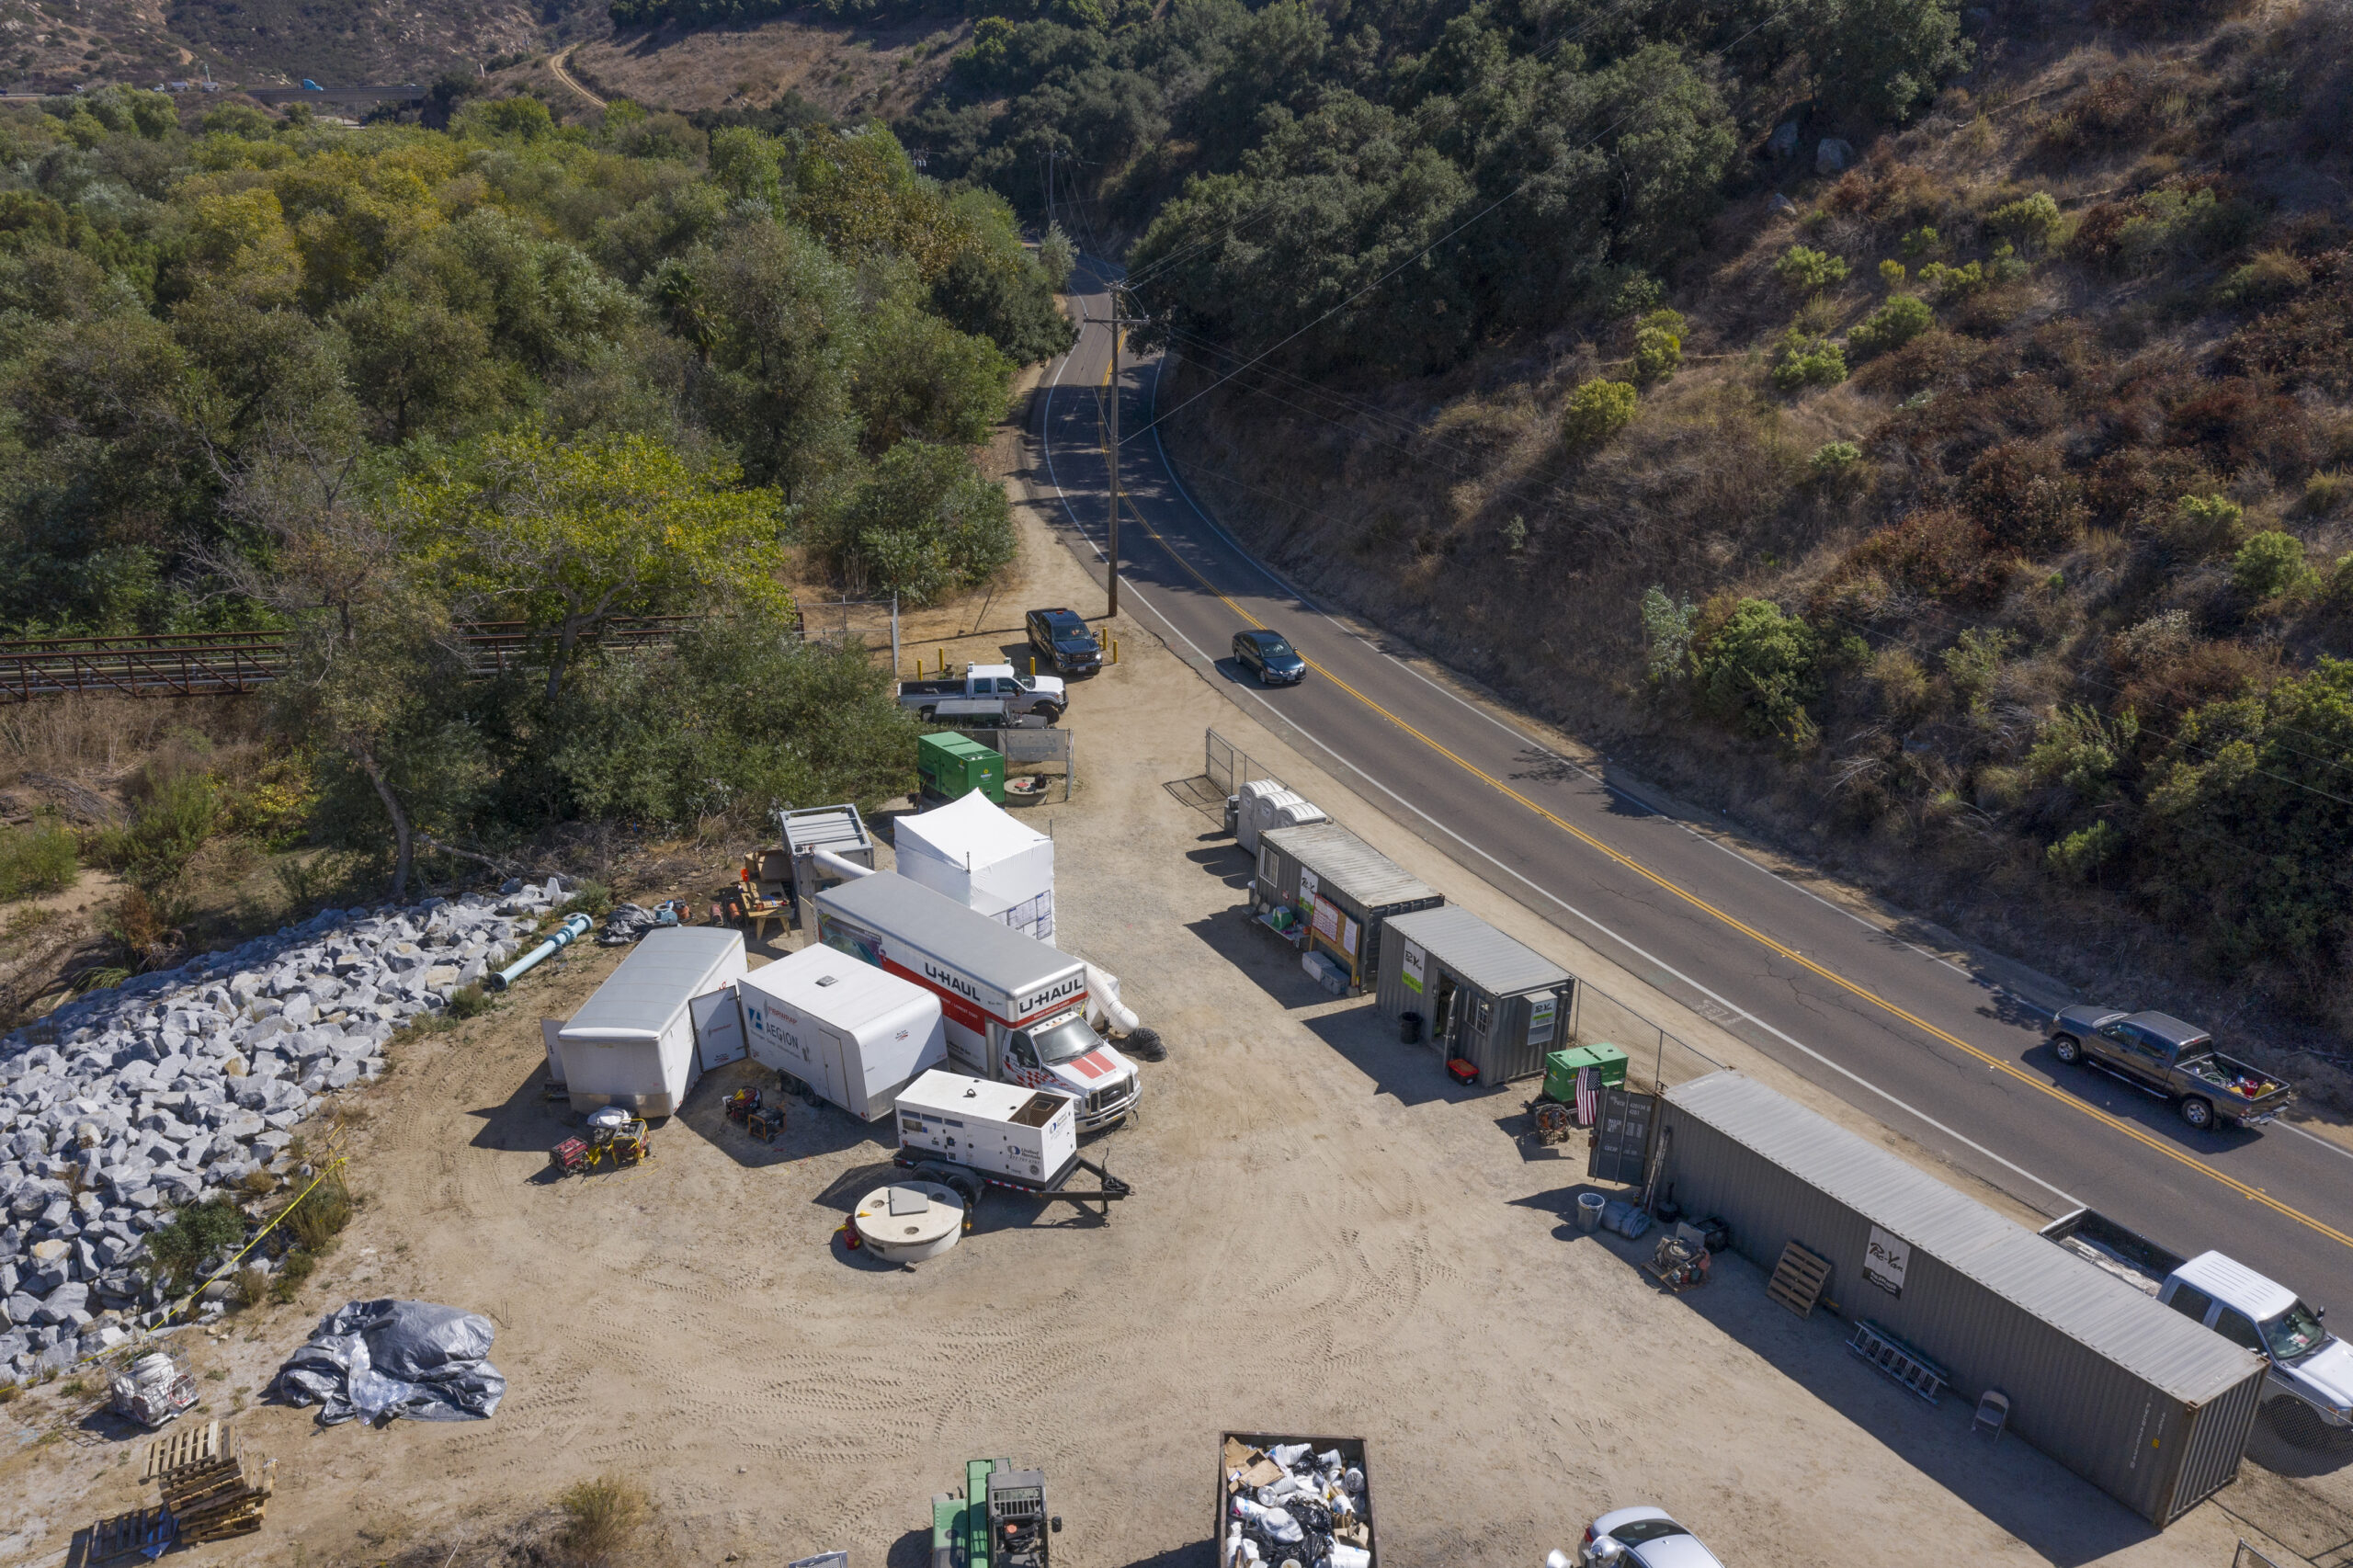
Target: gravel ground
(1327, 1236)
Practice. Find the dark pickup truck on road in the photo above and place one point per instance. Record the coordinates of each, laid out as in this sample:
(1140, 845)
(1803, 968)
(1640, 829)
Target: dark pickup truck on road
(2166, 1057)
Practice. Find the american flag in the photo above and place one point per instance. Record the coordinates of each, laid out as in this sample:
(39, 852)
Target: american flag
(1588, 1094)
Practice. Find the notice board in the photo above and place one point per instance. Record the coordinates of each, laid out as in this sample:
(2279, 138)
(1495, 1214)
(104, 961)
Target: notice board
(1622, 1137)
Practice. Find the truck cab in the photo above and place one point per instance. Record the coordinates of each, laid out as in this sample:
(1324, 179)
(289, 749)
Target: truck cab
(2308, 1364)
(1065, 1054)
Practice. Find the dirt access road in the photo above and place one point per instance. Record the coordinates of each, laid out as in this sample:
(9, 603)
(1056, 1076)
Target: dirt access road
(1327, 1236)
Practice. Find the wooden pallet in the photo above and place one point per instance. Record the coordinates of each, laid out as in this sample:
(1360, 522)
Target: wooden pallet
(206, 1444)
(1897, 1361)
(126, 1535)
(1799, 1279)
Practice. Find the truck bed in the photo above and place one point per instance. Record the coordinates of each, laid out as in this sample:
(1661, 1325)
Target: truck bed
(931, 688)
(2240, 1080)
(2131, 1256)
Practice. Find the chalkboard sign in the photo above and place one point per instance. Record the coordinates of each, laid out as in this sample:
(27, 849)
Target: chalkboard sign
(1622, 1137)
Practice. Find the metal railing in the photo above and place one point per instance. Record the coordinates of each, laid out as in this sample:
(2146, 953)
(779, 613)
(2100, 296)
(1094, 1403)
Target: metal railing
(210, 663)
(1228, 766)
(2248, 1557)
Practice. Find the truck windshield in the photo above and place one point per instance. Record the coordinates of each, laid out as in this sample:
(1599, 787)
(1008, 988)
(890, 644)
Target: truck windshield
(2294, 1333)
(1065, 1040)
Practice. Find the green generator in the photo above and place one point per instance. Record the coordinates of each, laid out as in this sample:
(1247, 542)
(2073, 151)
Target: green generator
(1561, 1069)
(951, 767)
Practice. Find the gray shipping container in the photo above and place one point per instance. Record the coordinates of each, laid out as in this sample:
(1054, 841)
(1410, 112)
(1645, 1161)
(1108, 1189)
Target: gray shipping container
(2143, 1404)
(1323, 861)
(1484, 998)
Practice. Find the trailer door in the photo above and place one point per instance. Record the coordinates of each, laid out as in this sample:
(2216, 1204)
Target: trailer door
(832, 1075)
(719, 1027)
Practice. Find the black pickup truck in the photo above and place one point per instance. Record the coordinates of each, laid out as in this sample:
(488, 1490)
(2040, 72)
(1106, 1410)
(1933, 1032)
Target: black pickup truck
(2168, 1058)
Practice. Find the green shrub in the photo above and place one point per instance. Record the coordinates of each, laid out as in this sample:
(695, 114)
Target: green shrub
(1757, 669)
(1638, 295)
(176, 1249)
(316, 1217)
(1805, 270)
(1658, 346)
(1891, 274)
(469, 1002)
(1667, 628)
(2268, 566)
(2030, 221)
(179, 813)
(1951, 283)
(295, 1267)
(601, 1519)
(2081, 750)
(591, 897)
(1596, 411)
(2082, 853)
(2270, 276)
(2339, 589)
(2205, 525)
(1921, 241)
(36, 860)
(1832, 459)
(1894, 324)
(1803, 361)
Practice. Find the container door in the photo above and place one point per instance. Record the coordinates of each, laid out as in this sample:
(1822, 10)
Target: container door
(1481, 1024)
(719, 1027)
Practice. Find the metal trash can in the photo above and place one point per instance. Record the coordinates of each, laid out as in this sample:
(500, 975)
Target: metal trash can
(1590, 1208)
(1409, 1028)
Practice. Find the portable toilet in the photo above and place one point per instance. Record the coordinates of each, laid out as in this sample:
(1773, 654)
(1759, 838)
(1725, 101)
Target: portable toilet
(1487, 999)
(950, 767)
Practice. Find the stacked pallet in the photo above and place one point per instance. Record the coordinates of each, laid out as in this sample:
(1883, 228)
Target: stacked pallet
(210, 1491)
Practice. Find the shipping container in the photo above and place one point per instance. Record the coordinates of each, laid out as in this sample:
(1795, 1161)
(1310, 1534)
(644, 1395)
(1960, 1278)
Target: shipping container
(1341, 889)
(974, 852)
(854, 1033)
(1483, 998)
(2136, 1399)
(949, 767)
(657, 1023)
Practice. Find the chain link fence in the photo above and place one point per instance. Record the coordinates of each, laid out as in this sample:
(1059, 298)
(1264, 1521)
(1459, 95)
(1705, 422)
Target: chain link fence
(866, 624)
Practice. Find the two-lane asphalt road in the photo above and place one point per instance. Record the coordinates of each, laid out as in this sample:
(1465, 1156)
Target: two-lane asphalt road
(1940, 1054)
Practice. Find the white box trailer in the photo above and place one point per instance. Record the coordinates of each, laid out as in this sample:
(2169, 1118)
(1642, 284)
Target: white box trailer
(856, 1034)
(1016, 1009)
(974, 852)
(1012, 1135)
(661, 1020)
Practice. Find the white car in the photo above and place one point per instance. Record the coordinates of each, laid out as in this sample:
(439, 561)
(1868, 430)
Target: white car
(1643, 1538)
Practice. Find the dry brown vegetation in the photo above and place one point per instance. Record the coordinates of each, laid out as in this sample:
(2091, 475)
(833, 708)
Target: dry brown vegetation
(850, 70)
(2040, 520)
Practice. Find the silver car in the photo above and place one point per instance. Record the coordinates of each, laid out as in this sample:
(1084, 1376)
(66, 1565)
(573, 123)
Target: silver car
(1641, 1538)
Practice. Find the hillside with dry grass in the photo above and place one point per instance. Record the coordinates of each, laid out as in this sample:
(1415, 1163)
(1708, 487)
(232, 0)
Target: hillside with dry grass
(1977, 517)
(847, 68)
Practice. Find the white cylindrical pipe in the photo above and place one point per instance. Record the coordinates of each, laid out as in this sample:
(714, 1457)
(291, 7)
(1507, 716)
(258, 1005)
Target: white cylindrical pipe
(1103, 990)
(838, 866)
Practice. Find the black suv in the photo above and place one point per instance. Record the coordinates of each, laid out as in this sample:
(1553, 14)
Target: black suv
(1061, 637)
(1267, 655)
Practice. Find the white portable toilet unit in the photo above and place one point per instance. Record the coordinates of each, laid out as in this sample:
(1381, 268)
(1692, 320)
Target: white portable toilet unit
(856, 1034)
(1263, 803)
(659, 1022)
(974, 852)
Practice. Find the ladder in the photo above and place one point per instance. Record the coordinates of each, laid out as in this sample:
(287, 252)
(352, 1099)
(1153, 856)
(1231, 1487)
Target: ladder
(1897, 1361)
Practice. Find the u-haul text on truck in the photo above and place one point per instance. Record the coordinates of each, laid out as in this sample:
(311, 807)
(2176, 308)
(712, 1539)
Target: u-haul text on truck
(1015, 1008)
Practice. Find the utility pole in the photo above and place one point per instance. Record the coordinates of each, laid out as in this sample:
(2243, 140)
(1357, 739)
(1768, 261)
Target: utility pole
(1117, 323)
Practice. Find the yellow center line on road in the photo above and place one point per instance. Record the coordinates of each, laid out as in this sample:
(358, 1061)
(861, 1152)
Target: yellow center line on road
(1859, 992)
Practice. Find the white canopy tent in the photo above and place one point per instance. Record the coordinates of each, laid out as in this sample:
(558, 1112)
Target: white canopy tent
(972, 851)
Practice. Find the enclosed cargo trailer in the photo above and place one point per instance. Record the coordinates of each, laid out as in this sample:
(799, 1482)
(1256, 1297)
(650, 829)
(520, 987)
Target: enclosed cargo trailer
(855, 1034)
(657, 1022)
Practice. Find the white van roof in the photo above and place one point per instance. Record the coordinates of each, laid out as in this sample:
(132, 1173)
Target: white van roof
(2237, 1285)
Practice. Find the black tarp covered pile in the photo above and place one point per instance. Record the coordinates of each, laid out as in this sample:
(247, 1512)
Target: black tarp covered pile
(374, 1360)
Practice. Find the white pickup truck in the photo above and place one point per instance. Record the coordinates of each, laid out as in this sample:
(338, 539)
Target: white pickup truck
(985, 693)
(2311, 1369)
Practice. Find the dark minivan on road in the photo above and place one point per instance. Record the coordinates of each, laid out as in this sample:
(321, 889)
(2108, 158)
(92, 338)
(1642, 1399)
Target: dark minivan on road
(1062, 638)
(1269, 656)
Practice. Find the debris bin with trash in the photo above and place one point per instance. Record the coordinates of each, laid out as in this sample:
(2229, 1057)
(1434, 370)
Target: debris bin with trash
(1287, 1499)
(379, 1359)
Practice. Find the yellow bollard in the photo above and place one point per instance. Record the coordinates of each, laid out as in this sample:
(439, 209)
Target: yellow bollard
(943, 662)
(1033, 667)
(1114, 650)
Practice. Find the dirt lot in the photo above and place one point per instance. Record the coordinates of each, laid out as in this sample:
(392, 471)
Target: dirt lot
(877, 67)
(1327, 1236)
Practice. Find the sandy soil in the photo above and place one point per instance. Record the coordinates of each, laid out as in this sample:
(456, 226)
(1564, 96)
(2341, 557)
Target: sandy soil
(1327, 1235)
(876, 67)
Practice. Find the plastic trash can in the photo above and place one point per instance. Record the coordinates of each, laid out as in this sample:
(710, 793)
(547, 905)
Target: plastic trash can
(1409, 1028)
(1590, 1208)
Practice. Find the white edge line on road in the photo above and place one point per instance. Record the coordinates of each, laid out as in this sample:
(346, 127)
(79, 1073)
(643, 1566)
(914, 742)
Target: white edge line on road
(1046, 445)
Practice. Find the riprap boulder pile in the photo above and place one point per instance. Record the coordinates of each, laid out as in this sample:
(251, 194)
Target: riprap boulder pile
(125, 1104)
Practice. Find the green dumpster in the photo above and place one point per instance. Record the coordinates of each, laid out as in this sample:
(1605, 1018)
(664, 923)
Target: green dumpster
(1561, 1069)
(951, 767)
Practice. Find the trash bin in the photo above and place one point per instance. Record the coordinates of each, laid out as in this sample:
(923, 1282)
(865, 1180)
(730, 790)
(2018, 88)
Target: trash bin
(1590, 1208)
(1409, 1028)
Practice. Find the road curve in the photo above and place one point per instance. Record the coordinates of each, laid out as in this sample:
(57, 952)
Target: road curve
(1937, 1050)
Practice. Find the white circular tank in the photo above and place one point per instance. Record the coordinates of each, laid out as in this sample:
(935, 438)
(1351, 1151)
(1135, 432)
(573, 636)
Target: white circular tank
(909, 1221)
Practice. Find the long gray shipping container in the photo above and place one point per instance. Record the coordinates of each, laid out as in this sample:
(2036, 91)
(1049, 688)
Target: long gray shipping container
(2143, 1404)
